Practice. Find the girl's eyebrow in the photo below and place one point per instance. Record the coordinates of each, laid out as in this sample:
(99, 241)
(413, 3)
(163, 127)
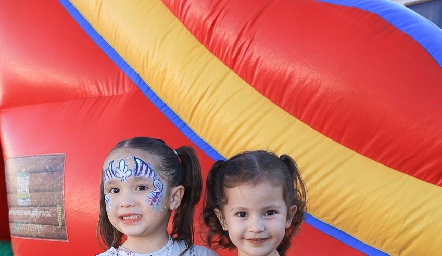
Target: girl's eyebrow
(238, 208)
(273, 206)
(143, 178)
(267, 207)
(112, 182)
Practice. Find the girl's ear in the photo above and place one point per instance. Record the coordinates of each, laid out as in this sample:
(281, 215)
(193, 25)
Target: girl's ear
(221, 219)
(290, 214)
(175, 197)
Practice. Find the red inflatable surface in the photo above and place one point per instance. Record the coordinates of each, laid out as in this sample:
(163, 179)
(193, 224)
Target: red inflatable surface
(61, 95)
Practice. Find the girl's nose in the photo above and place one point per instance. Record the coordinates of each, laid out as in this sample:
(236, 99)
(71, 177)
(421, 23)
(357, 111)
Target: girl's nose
(127, 200)
(127, 203)
(257, 224)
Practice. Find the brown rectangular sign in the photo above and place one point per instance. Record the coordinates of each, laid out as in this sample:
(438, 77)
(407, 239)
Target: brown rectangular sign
(35, 191)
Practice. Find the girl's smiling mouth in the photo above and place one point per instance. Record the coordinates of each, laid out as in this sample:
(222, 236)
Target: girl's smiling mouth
(130, 218)
(256, 241)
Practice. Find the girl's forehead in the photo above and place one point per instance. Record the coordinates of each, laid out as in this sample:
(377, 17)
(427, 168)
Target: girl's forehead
(124, 164)
(259, 190)
(128, 155)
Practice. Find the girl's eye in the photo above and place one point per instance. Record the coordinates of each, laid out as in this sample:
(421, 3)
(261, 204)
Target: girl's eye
(241, 214)
(113, 190)
(270, 212)
(141, 188)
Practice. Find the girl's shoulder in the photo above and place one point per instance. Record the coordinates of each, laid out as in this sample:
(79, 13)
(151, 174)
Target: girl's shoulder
(119, 252)
(110, 252)
(195, 250)
(172, 248)
(203, 251)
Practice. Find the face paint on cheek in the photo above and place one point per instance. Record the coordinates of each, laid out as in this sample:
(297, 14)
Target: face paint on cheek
(163, 209)
(155, 197)
(107, 201)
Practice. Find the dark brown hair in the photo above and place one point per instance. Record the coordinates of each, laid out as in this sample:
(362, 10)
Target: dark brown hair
(179, 167)
(252, 167)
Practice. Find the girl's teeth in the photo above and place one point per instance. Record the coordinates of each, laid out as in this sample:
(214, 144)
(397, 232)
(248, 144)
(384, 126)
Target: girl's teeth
(131, 217)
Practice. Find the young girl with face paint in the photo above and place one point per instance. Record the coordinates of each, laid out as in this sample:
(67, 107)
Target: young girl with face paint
(143, 182)
(254, 202)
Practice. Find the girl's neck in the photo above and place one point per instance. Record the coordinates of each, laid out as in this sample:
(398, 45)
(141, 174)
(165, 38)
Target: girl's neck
(275, 253)
(141, 244)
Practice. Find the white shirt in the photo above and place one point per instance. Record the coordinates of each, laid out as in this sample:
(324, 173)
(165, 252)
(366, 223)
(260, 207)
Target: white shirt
(172, 248)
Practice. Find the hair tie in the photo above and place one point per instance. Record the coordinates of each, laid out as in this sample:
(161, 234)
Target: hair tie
(179, 158)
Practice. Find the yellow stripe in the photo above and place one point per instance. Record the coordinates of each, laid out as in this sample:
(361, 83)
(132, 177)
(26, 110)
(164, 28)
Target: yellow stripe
(380, 206)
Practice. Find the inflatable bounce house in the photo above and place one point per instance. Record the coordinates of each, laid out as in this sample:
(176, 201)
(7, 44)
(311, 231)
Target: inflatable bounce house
(352, 90)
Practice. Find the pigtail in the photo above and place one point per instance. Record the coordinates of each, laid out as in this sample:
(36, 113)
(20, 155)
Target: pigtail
(182, 223)
(297, 188)
(298, 183)
(213, 197)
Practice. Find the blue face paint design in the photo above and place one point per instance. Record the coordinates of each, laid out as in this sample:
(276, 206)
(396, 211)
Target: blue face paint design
(107, 201)
(122, 171)
(142, 169)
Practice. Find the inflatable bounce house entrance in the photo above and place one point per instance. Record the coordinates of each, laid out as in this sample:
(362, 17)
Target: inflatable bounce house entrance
(352, 90)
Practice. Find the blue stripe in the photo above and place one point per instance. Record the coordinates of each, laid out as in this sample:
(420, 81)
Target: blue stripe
(342, 236)
(423, 31)
(187, 131)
